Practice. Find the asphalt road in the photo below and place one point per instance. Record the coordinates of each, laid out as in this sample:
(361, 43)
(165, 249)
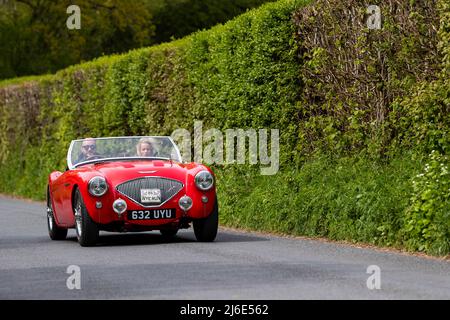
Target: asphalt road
(238, 265)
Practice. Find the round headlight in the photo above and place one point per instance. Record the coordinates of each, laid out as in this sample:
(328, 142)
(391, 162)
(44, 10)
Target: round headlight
(97, 186)
(204, 180)
(119, 206)
(185, 203)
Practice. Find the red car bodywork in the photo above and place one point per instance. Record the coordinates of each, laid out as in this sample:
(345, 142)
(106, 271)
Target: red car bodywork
(63, 185)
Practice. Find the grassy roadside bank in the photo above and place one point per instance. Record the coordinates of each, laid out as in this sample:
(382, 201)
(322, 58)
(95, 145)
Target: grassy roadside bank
(351, 199)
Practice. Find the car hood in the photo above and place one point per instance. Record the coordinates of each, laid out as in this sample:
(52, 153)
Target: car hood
(117, 172)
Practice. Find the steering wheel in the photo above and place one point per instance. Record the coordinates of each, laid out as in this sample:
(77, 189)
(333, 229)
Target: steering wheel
(93, 157)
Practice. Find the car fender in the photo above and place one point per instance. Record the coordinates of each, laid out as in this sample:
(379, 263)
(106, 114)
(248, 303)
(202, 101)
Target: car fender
(199, 209)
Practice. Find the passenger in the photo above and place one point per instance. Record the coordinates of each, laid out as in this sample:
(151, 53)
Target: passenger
(146, 148)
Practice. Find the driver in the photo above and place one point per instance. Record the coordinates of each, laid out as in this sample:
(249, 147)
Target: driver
(88, 150)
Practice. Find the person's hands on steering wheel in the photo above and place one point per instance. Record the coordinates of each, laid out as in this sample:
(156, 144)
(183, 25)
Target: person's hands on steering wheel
(96, 156)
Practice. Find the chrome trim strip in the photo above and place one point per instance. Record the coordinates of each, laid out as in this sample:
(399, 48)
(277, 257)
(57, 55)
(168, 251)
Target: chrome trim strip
(150, 206)
(69, 153)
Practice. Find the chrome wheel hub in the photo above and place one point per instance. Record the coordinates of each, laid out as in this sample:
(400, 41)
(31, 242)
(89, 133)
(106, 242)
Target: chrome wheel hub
(78, 218)
(50, 218)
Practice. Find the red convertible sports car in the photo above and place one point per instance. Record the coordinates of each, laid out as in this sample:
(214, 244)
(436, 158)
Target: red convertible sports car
(130, 184)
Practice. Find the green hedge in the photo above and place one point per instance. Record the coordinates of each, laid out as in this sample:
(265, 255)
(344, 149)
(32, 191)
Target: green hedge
(347, 171)
(349, 198)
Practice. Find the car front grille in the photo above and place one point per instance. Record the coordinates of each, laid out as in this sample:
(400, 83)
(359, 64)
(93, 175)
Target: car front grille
(132, 189)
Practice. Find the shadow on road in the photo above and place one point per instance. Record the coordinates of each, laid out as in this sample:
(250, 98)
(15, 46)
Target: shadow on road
(133, 239)
(154, 238)
(238, 237)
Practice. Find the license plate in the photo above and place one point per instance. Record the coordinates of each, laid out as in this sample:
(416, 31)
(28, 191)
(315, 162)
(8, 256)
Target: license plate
(152, 214)
(150, 195)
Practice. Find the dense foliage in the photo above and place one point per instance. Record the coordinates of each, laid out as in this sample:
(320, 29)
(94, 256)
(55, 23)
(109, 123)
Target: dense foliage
(35, 38)
(427, 226)
(359, 111)
(178, 18)
(353, 74)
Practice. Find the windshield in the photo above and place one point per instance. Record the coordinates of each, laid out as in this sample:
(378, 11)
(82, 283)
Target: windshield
(120, 148)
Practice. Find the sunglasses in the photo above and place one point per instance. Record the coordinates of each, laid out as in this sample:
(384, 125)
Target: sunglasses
(89, 147)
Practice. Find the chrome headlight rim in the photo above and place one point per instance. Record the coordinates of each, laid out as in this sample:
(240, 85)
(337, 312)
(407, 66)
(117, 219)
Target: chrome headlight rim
(102, 181)
(199, 184)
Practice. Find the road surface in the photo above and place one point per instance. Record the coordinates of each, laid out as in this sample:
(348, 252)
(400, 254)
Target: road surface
(239, 265)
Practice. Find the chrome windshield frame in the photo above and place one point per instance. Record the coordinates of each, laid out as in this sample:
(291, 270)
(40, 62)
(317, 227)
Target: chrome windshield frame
(71, 166)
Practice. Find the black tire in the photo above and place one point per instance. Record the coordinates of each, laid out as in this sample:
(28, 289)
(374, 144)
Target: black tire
(206, 229)
(86, 229)
(55, 232)
(168, 234)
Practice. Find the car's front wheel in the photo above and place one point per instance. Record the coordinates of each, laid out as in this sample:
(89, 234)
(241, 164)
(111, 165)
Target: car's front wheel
(206, 229)
(54, 231)
(86, 229)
